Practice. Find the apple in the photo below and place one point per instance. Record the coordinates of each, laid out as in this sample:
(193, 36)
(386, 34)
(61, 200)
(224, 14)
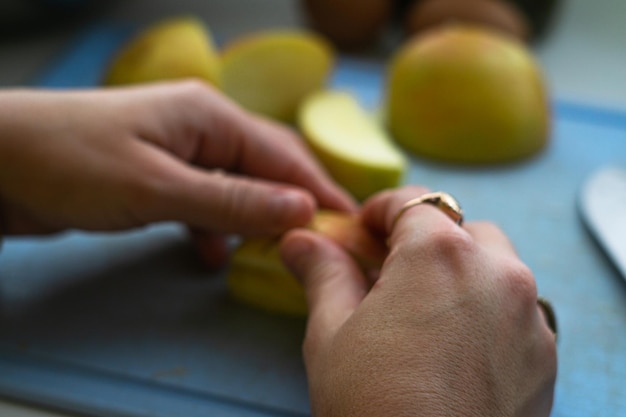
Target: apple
(348, 231)
(257, 276)
(502, 15)
(467, 94)
(271, 72)
(348, 24)
(352, 146)
(175, 48)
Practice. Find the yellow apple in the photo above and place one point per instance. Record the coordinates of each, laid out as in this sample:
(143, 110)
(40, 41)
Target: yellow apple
(258, 278)
(467, 94)
(353, 147)
(269, 73)
(175, 48)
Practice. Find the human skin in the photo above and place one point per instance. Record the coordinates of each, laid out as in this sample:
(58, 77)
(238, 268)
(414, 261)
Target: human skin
(450, 328)
(115, 159)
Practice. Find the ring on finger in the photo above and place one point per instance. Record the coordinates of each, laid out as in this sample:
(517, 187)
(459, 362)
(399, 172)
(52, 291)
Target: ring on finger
(548, 312)
(443, 201)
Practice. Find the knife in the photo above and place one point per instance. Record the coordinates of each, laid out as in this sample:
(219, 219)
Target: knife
(602, 204)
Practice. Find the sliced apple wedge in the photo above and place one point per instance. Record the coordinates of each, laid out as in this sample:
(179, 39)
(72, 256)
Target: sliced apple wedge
(355, 150)
(271, 72)
(258, 278)
(175, 48)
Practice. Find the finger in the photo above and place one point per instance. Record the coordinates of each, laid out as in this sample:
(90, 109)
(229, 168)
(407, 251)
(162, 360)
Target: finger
(165, 189)
(333, 283)
(378, 212)
(286, 158)
(230, 204)
(490, 237)
(414, 228)
(204, 127)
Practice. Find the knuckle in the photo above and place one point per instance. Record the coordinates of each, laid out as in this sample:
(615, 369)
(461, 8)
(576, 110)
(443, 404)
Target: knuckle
(144, 194)
(193, 87)
(450, 246)
(231, 200)
(193, 92)
(243, 205)
(521, 282)
(451, 242)
(145, 188)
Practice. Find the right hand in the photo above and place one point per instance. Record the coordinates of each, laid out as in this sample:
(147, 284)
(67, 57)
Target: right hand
(451, 327)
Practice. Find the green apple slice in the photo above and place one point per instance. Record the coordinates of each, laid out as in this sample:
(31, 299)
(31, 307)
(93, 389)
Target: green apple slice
(355, 150)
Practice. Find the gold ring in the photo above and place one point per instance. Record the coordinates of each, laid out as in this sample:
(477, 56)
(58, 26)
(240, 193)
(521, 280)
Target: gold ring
(549, 314)
(443, 201)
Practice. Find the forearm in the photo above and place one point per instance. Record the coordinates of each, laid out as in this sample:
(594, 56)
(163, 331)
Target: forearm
(6, 113)
(13, 130)
(2, 227)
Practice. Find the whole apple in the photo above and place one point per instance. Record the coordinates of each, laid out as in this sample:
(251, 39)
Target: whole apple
(467, 94)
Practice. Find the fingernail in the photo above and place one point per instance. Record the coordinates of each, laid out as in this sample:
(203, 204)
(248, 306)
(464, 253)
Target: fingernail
(291, 208)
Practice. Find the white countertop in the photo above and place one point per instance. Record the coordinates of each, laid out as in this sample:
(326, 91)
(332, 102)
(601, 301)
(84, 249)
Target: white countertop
(583, 57)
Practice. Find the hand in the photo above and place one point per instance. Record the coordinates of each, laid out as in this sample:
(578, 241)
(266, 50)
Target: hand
(123, 158)
(450, 328)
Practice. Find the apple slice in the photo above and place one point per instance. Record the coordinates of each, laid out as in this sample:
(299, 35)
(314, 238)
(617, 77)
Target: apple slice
(355, 150)
(348, 231)
(171, 49)
(258, 278)
(271, 72)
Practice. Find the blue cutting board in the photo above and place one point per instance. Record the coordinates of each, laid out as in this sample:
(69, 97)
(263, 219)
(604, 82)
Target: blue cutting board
(130, 324)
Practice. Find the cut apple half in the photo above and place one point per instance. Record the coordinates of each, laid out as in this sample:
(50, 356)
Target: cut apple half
(356, 151)
(271, 72)
(175, 48)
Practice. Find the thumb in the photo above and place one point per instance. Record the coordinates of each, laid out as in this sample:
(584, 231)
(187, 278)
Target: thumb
(333, 282)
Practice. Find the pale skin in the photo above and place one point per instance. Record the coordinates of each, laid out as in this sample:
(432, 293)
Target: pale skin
(451, 327)
(120, 159)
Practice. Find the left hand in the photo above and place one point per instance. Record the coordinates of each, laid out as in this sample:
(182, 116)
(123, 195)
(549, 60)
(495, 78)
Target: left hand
(123, 158)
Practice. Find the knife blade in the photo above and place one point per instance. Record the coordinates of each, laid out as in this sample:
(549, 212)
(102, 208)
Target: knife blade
(602, 203)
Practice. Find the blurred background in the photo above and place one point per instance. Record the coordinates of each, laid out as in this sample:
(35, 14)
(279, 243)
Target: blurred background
(580, 46)
(581, 50)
